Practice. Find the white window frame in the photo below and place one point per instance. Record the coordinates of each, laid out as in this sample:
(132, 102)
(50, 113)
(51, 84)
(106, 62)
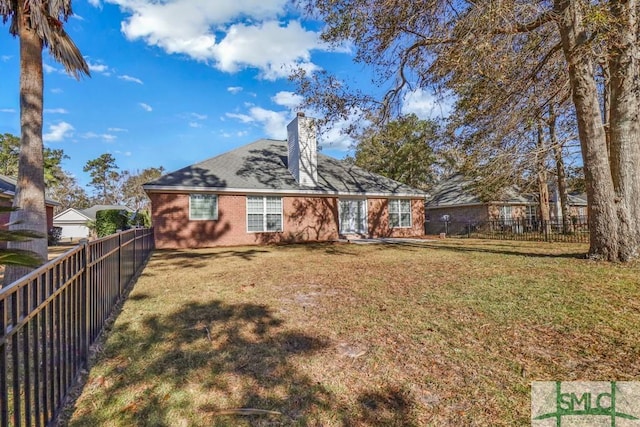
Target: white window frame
(265, 213)
(394, 207)
(531, 213)
(364, 220)
(506, 212)
(213, 197)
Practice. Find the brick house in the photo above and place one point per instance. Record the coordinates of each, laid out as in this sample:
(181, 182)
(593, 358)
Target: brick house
(7, 193)
(277, 191)
(454, 206)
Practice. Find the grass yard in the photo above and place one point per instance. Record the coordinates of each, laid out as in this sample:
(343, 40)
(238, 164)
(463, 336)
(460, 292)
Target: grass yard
(449, 333)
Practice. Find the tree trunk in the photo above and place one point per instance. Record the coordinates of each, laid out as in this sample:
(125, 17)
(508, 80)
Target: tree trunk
(624, 127)
(543, 184)
(563, 194)
(29, 195)
(600, 194)
(560, 173)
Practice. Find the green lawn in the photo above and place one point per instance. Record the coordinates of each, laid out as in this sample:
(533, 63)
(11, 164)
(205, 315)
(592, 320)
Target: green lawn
(449, 333)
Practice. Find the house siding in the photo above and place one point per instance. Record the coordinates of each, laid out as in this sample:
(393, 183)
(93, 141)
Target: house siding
(304, 219)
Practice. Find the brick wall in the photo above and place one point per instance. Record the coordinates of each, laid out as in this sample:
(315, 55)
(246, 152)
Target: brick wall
(305, 219)
(379, 219)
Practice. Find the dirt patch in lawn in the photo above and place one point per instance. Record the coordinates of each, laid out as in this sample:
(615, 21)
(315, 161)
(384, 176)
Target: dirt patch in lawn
(447, 333)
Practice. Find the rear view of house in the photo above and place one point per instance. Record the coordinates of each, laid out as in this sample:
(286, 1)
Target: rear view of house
(279, 191)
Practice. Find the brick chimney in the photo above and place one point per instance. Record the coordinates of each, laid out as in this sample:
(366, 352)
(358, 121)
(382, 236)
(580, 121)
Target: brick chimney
(303, 156)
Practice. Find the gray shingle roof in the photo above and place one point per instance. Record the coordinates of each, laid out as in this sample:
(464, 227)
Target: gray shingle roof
(8, 186)
(262, 166)
(458, 190)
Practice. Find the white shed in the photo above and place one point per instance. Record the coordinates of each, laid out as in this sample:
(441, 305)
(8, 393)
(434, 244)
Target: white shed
(73, 224)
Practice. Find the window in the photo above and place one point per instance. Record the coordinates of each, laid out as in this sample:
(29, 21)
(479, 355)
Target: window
(400, 213)
(505, 213)
(203, 206)
(532, 214)
(264, 214)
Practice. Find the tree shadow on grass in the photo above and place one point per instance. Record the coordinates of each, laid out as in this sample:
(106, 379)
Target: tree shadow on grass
(164, 259)
(193, 366)
(462, 246)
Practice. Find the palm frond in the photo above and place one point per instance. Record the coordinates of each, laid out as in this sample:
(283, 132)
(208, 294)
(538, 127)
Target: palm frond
(19, 235)
(65, 51)
(44, 19)
(8, 9)
(19, 257)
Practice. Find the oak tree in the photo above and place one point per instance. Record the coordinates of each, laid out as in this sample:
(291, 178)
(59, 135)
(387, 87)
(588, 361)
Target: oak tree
(512, 56)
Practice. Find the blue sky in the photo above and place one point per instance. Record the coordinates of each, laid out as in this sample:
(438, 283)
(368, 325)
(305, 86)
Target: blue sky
(179, 81)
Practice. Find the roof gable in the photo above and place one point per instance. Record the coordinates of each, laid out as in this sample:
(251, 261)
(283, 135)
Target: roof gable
(71, 214)
(262, 166)
(8, 187)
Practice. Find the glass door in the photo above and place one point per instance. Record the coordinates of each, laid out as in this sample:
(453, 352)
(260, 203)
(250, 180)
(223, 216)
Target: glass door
(353, 216)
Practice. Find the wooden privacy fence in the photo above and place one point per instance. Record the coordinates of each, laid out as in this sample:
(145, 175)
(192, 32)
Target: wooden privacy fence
(51, 317)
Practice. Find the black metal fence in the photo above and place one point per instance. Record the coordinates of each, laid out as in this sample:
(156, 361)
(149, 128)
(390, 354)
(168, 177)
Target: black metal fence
(50, 318)
(573, 230)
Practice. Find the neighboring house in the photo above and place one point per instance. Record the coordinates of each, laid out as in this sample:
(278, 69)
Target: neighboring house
(7, 193)
(454, 205)
(274, 191)
(75, 222)
(577, 206)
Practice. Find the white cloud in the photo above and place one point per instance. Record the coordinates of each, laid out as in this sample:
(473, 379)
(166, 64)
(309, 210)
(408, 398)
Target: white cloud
(287, 99)
(145, 107)
(198, 116)
(49, 69)
(234, 89)
(232, 35)
(126, 153)
(78, 17)
(95, 3)
(117, 130)
(99, 68)
(273, 123)
(58, 132)
(56, 90)
(424, 105)
(107, 137)
(195, 125)
(56, 111)
(242, 117)
(127, 78)
(274, 49)
(335, 137)
(5, 58)
(8, 110)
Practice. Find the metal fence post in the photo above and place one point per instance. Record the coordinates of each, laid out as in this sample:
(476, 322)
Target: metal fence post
(119, 264)
(86, 301)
